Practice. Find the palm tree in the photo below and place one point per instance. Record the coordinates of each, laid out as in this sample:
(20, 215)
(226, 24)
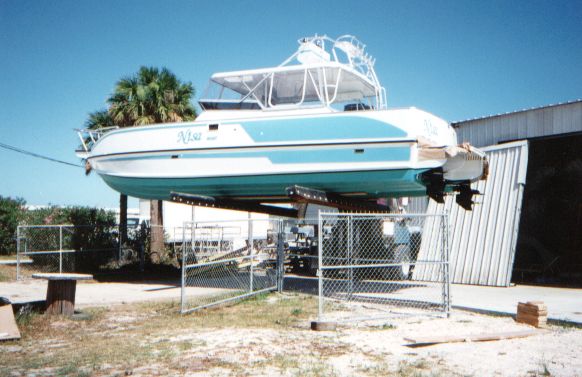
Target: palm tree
(152, 96)
(99, 119)
(102, 119)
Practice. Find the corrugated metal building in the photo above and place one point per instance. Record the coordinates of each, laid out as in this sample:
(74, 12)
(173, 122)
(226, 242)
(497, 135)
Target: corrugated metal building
(543, 121)
(483, 241)
(537, 239)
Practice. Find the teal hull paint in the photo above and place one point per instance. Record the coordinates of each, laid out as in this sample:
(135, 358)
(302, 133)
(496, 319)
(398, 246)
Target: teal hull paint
(297, 156)
(376, 184)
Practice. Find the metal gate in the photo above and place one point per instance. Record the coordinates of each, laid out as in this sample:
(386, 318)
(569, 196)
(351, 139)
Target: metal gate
(367, 265)
(223, 261)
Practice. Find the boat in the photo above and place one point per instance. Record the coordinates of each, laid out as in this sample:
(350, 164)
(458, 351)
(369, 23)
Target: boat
(318, 120)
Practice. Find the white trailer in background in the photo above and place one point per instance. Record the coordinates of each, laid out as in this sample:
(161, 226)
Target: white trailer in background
(175, 214)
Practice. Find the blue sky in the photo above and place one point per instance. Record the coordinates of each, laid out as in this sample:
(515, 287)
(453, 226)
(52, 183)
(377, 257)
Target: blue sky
(457, 59)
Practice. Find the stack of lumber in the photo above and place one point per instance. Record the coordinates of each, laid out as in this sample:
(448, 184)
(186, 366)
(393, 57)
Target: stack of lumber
(534, 313)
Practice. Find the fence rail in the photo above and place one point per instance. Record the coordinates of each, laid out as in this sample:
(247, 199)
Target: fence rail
(65, 248)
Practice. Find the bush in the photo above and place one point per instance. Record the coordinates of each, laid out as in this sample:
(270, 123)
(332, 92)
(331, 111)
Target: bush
(11, 212)
(94, 234)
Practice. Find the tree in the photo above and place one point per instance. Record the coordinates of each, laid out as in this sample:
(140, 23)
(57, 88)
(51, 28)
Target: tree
(10, 213)
(151, 96)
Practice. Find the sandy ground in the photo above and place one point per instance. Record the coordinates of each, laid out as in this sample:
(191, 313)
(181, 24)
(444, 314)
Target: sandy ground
(355, 349)
(379, 348)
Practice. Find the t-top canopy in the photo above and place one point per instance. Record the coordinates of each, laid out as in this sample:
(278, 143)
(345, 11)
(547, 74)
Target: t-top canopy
(320, 79)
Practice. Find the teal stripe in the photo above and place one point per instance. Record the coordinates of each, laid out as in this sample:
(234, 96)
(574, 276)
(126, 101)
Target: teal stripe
(306, 128)
(322, 128)
(297, 156)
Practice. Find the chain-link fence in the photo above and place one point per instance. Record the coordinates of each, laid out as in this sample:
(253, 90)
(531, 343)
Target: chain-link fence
(368, 263)
(229, 260)
(65, 248)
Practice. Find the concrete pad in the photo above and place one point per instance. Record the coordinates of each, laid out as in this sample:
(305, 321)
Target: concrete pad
(564, 304)
(93, 294)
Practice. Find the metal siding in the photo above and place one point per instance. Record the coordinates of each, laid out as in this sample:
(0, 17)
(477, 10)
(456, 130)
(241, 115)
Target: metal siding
(482, 242)
(552, 120)
(417, 204)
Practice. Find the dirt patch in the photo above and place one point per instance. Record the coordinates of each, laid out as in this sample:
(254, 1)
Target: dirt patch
(269, 335)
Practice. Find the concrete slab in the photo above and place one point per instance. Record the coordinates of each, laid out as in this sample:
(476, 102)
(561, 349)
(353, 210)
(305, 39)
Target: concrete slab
(564, 304)
(93, 294)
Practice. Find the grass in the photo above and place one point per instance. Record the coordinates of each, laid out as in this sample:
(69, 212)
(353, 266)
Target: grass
(7, 273)
(107, 340)
(417, 368)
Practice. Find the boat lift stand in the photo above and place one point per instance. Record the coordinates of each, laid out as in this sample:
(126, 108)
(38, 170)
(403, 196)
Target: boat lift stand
(296, 194)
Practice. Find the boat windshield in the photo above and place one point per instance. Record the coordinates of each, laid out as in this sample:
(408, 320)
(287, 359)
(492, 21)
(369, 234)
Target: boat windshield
(317, 81)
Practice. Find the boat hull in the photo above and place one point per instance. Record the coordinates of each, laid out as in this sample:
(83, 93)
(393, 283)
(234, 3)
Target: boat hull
(364, 184)
(367, 154)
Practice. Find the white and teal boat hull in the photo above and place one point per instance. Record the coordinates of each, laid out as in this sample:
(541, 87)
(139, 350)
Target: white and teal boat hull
(371, 154)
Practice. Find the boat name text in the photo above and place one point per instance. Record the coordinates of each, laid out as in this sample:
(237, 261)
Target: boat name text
(188, 136)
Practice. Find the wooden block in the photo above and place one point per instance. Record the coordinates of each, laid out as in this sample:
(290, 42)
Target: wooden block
(532, 320)
(535, 303)
(529, 315)
(323, 326)
(524, 308)
(539, 305)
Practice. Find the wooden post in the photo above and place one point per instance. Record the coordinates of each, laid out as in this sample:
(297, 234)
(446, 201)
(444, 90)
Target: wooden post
(157, 230)
(122, 218)
(60, 294)
(60, 297)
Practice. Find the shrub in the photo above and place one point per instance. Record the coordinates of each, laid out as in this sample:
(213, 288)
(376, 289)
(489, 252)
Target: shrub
(11, 211)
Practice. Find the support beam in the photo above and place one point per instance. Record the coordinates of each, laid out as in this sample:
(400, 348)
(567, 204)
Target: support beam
(238, 205)
(301, 194)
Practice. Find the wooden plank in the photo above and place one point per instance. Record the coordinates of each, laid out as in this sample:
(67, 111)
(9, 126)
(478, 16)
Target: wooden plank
(470, 338)
(521, 308)
(532, 320)
(8, 328)
(539, 305)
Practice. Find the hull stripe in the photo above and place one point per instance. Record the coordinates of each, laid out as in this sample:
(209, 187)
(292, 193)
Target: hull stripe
(351, 143)
(295, 156)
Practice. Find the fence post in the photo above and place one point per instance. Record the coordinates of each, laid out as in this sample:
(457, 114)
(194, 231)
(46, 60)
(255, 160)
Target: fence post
(447, 263)
(184, 259)
(350, 257)
(18, 252)
(251, 240)
(319, 267)
(280, 256)
(60, 249)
